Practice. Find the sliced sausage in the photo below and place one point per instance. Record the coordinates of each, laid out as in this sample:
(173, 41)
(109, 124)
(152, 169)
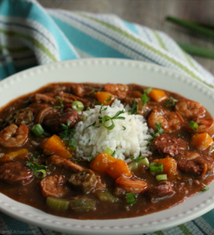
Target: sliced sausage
(196, 166)
(159, 191)
(55, 120)
(15, 173)
(169, 144)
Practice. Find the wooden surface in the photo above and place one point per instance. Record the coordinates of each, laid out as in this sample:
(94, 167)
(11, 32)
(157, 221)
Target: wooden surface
(152, 13)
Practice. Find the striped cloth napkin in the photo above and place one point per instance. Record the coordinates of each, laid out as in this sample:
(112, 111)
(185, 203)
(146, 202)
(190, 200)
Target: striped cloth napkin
(31, 35)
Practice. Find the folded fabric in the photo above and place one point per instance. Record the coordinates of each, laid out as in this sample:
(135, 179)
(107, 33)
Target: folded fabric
(31, 35)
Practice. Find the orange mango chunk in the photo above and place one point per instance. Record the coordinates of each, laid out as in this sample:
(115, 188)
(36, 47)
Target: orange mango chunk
(157, 95)
(15, 155)
(201, 141)
(55, 145)
(118, 168)
(104, 98)
(169, 166)
(101, 162)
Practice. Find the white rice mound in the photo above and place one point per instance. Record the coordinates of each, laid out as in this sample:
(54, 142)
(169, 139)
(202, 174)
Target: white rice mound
(126, 143)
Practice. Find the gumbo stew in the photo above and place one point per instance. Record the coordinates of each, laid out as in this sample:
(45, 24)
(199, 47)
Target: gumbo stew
(62, 150)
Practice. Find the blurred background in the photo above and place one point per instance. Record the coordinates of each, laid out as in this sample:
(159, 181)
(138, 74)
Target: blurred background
(153, 13)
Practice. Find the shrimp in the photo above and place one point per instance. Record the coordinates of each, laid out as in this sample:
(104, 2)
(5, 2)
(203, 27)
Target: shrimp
(131, 185)
(190, 109)
(204, 125)
(119, 90)
(170, 121)
(54, 186)
(14, 136)
(62, 162)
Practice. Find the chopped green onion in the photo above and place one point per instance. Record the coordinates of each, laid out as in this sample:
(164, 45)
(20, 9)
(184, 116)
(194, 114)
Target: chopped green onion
(130, 197)
(109, 151)
(57, 204)
(113, 153)
(77, 105)
(105, 119)
(124, 128)
(37, 130)
(133, 166)
(145, 98)
(40, 173)
(148, 90)
(205, 187)
(144, 161)
(161, 177)
(88, 108)
(193, 125)
(156, 167)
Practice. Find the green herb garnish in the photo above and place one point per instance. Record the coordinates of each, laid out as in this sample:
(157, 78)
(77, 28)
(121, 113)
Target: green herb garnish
(138, 158)
(205, 187)
(93, 124)
(109, 99)
(147, 91)
(36, 168)
(68, 134)
(91, 158)
(130, 198)
(171, 102)
(124, 128)
(193, 125)
(158, 131)
(134, 109)
(145, 98)
(102, 109)
(61, 104)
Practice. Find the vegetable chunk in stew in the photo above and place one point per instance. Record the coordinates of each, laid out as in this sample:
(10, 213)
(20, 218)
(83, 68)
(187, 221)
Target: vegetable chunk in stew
(104, 151)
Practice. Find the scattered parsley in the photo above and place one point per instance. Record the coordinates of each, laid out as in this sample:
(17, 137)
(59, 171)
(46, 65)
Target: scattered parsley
(61, 104)
(124, 128)
(134, 109)
(113, 153)
(93, 91)
(88, 108)
(102, 109)
(68, 134)
(171, 102)
(93, 124)
(109, 99)
(96, 102)
(85, 117)
(205, 187)
(138, 158)
(36, 168)
(158, 131)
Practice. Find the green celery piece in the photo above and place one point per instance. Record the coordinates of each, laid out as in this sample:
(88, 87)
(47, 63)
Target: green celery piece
(199, 51)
